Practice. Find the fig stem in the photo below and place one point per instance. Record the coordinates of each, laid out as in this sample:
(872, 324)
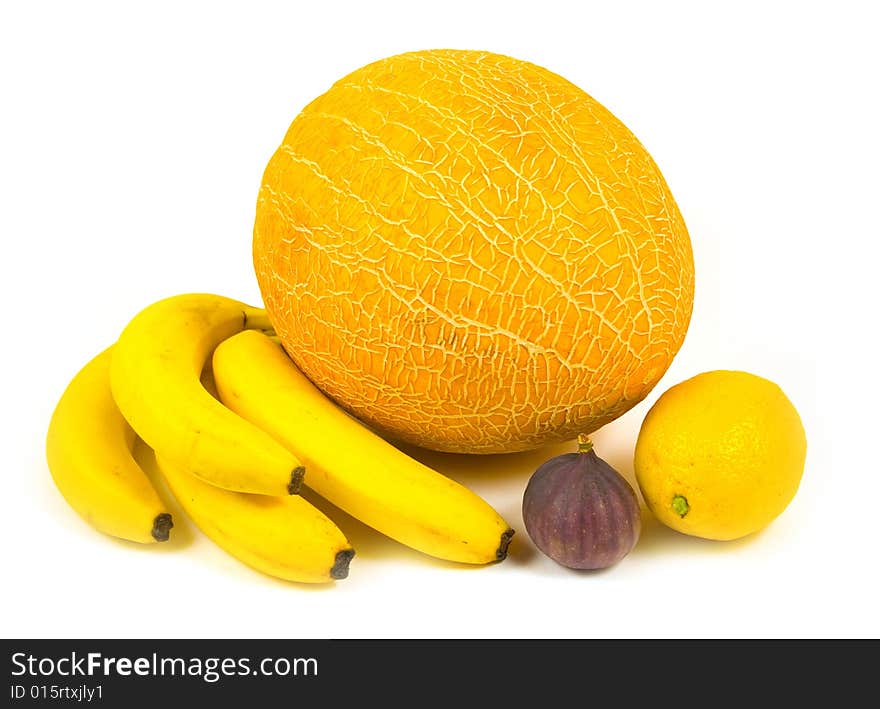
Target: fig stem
(680, 505)
(585, 445)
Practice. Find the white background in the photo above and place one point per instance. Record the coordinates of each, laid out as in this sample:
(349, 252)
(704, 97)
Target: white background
(132, 146)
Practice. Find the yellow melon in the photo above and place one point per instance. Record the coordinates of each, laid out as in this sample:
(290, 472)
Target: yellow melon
(471, 254)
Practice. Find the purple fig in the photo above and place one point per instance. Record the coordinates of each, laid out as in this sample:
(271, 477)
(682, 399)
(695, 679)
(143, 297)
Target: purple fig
(580, 511)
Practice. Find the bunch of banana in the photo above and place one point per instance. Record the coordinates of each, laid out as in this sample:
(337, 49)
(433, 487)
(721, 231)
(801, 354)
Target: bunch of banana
(235, 457)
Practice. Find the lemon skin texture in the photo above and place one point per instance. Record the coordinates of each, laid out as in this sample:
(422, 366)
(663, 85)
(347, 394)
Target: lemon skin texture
(720, 455)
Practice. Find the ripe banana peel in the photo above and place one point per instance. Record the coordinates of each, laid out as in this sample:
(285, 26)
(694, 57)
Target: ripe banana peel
(233, 423)
(285, 537)
(351, 466)
(89, 452)
(155, 374)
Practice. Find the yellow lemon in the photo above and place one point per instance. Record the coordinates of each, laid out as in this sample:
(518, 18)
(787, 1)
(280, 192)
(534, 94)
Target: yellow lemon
(720, 455)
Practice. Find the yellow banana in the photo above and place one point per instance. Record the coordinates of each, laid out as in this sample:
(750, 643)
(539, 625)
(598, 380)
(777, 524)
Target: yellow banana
(285, 537)
(155, 378)
(351, 466)
(89, 453)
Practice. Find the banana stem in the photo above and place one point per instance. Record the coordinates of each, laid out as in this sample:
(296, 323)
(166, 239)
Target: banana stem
(340, 567)
(162, 527)
(296, 480)
(256, 319)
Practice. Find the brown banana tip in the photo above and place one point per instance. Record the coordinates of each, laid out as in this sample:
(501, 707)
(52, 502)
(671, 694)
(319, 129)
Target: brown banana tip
(162, 527)
(501, 554)
(340, 565)
(296, 480)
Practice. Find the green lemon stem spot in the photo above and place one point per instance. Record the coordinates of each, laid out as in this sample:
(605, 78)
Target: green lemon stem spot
(680, 505)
